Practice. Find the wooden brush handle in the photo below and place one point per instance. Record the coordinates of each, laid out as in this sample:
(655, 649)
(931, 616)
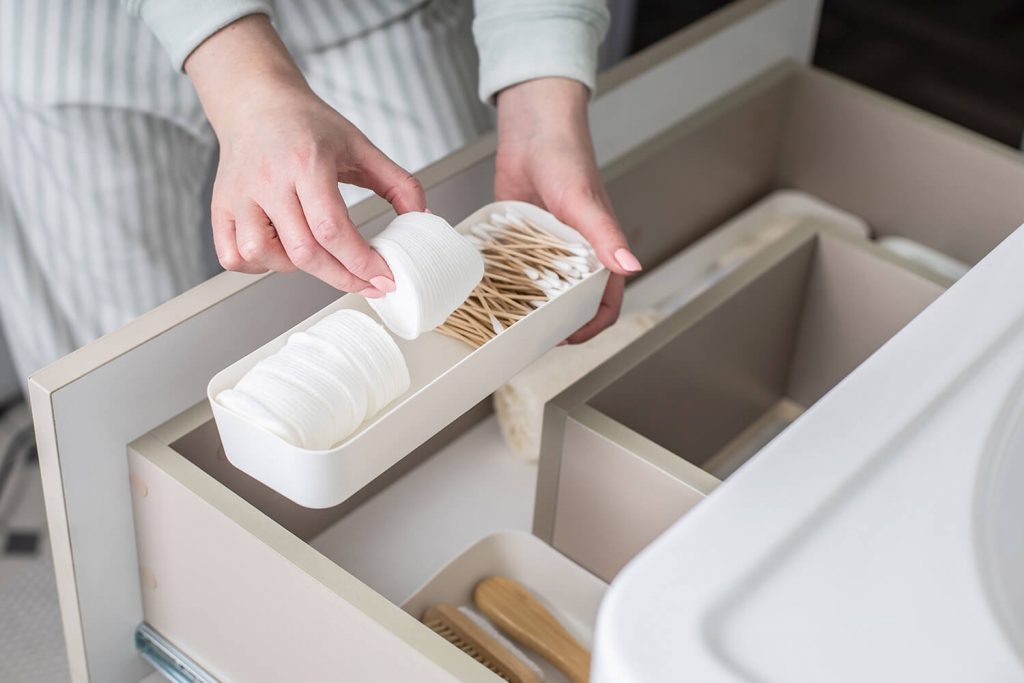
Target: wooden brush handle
(513, 609)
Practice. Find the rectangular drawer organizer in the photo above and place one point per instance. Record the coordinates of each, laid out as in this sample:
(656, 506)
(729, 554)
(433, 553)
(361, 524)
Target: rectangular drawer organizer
(252, 587)
(447, 379)
(683, 407)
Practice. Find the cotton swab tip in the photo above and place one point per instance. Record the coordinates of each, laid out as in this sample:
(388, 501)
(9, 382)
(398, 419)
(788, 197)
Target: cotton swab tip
(515, 219)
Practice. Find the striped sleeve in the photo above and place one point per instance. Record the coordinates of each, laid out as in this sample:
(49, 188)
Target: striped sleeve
(181, 25)
(519, 40)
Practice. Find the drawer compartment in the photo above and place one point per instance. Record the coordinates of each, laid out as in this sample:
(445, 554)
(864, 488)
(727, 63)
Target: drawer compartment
(903, 171)
(254, 587)
(683, 407)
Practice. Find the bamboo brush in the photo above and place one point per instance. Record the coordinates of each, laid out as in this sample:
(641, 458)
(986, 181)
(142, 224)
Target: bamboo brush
(471, 634)
(517, 613)
(525, 267)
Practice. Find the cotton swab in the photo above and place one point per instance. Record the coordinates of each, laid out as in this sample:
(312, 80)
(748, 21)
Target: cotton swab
(524, 267)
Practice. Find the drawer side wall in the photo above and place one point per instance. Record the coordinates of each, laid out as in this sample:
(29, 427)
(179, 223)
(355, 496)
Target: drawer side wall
(904, 171)
(265, 606)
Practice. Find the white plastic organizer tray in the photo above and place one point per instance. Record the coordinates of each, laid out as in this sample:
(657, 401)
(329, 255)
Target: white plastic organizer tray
(571, 593)
(447, 379)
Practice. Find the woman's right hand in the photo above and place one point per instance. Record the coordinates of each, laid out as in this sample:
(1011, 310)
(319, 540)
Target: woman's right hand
(283, 151)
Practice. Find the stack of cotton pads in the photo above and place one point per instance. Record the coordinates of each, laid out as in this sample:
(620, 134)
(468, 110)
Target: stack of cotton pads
(434, 267)
(323, 383)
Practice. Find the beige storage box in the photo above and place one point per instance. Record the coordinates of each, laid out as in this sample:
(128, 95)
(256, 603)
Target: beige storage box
(646, 435)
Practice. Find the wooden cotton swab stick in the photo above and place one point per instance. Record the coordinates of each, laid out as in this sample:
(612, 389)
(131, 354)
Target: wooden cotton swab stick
(525, 266)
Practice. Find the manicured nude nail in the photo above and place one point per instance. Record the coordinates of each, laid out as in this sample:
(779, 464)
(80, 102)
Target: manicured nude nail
(372, 293)
(383, 283)
(629, 263)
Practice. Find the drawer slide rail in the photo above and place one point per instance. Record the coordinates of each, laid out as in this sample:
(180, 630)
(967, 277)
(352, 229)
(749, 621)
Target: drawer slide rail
(167, 659)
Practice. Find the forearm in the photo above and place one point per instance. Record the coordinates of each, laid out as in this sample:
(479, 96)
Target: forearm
(238, 67)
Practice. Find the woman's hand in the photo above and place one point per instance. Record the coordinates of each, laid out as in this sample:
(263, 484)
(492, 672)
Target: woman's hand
(545, 156)
(283, 150)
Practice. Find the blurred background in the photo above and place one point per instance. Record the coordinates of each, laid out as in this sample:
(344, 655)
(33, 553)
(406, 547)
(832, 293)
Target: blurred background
(961, 60)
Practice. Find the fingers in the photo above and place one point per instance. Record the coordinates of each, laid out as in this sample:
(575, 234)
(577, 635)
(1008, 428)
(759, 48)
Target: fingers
(225, 245)
(327, 216)
(257, 240)
(306, 252)
(607, 312)
(590, 213)
(389, 180)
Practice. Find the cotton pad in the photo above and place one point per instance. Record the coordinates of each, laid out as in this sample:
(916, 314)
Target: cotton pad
(371, 350)
(323, 383)
(434, 268)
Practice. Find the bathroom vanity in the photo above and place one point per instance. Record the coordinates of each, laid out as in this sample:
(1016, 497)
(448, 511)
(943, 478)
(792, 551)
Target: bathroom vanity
(151, 525)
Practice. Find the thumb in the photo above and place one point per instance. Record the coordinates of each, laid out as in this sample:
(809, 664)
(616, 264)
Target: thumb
(596, 222)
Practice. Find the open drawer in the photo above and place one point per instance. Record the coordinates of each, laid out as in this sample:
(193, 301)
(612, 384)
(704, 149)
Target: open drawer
(689, 134)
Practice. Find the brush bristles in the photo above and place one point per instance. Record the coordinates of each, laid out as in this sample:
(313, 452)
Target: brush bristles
(475, 637)
(442, 629)
(525, 266)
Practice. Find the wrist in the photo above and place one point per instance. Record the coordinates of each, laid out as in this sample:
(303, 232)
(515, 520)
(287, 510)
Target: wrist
(240, 66)
(543, 107)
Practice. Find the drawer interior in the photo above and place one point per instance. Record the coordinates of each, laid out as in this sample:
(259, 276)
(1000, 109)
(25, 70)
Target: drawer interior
(213, 541)
(905, 172)
(708, 387)
(747, 368)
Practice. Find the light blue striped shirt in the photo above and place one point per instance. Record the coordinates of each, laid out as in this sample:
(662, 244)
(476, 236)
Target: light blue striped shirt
(518, 40)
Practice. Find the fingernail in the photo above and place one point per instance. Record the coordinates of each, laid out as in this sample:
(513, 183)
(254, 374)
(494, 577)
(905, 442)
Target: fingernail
(372, 293)
(629, 263)
(564, 342)
(427, 211)
(383, 283)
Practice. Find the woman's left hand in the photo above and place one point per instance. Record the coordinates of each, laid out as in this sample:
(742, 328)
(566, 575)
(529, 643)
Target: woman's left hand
(546, 157)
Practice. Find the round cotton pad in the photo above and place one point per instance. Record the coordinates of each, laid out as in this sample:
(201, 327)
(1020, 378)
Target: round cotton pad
(323, 383)
(371, 350)
(245, 405)
(434, 267)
